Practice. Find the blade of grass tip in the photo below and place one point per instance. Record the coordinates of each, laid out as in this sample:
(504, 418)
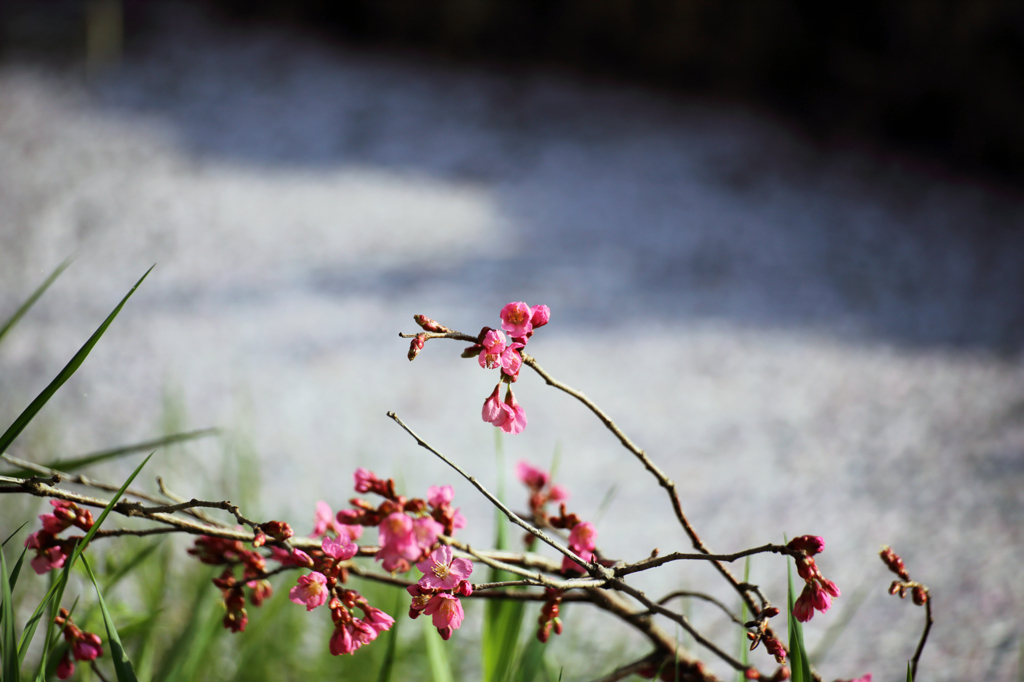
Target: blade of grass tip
(13, 534)
(24, 308)
(122, 666)
(609, 497)
(388, 664)
(799, 665)
(30, 412)
(57, 591)
(82, 461)
(437, 654)
(8, 646)
(16, 571)
(531, 661)
(910, 673)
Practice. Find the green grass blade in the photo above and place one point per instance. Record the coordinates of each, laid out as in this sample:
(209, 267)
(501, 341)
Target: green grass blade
(910, 673)
(127, 567)
(531, 662)
(16, 571)
(13, 319)
(388, 664)
(799, 665)
(57, 591)
(13, 534)
(122, 666)
(80, 462)
(8, 645)
(30, 412)
(437, 654)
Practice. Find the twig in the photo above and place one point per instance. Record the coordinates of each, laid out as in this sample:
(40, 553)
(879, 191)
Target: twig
(174, 497)
(458, 336)
(596, 570)
(645, 663)
(700, 595)
(924, 636)
(653, 562)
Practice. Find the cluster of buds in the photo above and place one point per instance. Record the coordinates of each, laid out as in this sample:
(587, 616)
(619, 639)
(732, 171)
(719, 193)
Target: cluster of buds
(918, 592)
(52, 551)
(408, 528)
(436, 593)
(818, 592)
(548, 619)
(232, 553)
(758, 632)
(82, 646)
(541, 489)
(350, 632)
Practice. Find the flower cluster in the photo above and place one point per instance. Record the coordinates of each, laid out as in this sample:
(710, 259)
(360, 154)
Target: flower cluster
(818, 592)
(82, 646)
(582, 534)
(918, 592)
(52, 551)
(444, 577)
(231, 553)
(548, 619)
(408, 528)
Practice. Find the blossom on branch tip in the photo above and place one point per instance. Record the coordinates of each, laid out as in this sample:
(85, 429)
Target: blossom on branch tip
(494, 411)
(539, 315)
(442, 571)
(493, 346)
(516, 319)
(533, 477)
(812, 544)
(339, 549)
(446, 612)
(311, 590)
(517, 420)
(364, 480)
(376, 618)
(438, 496)
(582, 536)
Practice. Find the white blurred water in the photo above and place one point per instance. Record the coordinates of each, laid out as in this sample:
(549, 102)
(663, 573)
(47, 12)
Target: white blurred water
(807, 340)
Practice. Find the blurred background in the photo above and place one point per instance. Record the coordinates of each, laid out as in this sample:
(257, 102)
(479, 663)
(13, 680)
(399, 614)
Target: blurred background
(783, 245)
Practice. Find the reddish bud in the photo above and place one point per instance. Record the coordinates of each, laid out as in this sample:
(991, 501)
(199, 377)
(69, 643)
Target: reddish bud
(279, 530)
(429, 325)
(894, 562)
(919, 594)
(416, 345)
(770, 612)
(812, 544)
(473, 351)
(751, 674)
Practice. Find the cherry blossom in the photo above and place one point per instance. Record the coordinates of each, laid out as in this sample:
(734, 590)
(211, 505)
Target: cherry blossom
(442, 571)
(311, 590)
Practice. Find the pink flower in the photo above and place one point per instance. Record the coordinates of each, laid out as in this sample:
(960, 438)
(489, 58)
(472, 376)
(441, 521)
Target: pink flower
(517, 421)
(377, 619)
(425, 530)
(48, 560)
(439, 496)
(820, 599)
(830, 587)
(88, 647)
(54, 525)
(539, 315)
(581, 537)
(515, 319)
(494, 411)
(66, 667)
(494, 345)
(339, 549)
(342, 642)
(511, 360)
(446, 612)
(441, 571)
(364, 480)
(397, 542)
(323, 520)
(812, 544)
(570, 565)
(312, 590)
(458, 520)
(803, 608)
(362, 632)
(530, 475)
(420, 599)
(348, 521)
(558, 493)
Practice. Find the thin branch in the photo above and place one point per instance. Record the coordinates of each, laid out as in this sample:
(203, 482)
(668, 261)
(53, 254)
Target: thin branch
(458, 336)
(646, 663)
(596, 570)
(653, 562)
(174, 497)
(700, 595)
(924, 636)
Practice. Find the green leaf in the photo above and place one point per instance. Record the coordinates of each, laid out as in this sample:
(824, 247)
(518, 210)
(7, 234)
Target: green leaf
(13, 534)
(122, 666)
(13, 319)
(30, 412)
(57, 591)
(388, 664)
(531, 661)
(8, 646)
(799, 664)
(437, 654)
(910, 673)
(75, 463)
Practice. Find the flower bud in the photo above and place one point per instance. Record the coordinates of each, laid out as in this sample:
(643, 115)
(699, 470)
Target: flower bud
(429, 325)
(919, 594)
(416, 345)
(812, 544)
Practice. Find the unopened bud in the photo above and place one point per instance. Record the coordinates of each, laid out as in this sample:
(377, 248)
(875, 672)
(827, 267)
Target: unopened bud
(770, 612)
(894, 562)
(895, 587)
(812, 544)
(473, 351)
(430, 325)
(416, 346)
(919, 594)
(751, 674)
(279, 530)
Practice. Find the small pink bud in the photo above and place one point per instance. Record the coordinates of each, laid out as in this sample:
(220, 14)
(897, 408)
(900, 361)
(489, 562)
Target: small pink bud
(66, 667)
(416, 345)
(539, 315)
(812, 544)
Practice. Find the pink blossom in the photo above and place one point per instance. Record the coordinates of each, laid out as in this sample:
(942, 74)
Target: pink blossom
(364, 480)
(517, 422)
(52, 524)
(441, 571)
(820, 599)
(311, 590)
(362, 632)
(494, 345)
(539, 315)
(515, 319)
(348, 521)
(420, 599)
(530, 475)
(377, 619)
(342, 642)
(48, 560)
(458, 520)
(88, 647)
(439, 496)
(339, 549)
(812, 544)
(830, 587)
(803, 608)
(494, 411)
(445, 611)
(299, 558)
(558, 493)
(582, 536)
(426, 530)
(66, 667)
(397, 542)
(511, 360)
(570, 565)
(324, 521)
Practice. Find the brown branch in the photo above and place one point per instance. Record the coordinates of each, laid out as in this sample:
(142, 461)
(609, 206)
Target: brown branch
(458, 336)
(174, 497)
(648, 662)
(700, 595)
(653, 562)
(924, 636)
